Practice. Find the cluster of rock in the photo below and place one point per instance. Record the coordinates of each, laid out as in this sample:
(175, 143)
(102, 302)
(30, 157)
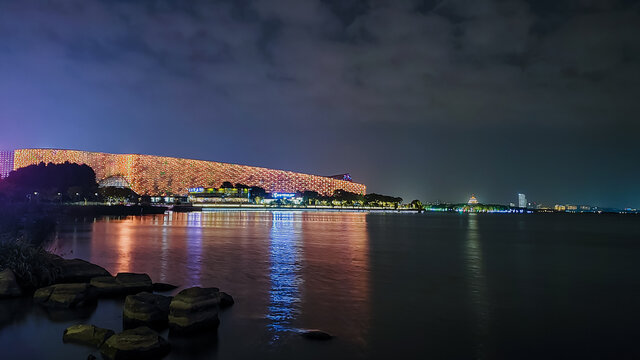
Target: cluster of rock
(81, 283)
(139, 343)
(191, 310)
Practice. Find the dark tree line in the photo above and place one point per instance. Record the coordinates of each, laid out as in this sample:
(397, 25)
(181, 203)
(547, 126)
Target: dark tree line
(350, 198)
(50, 182)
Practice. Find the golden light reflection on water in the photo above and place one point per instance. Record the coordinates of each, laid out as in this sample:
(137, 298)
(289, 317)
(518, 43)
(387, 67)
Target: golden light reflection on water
(337, 246)
(123, 238)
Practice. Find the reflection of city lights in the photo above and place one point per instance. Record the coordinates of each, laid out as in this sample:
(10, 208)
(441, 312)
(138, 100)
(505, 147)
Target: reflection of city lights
(194, 246)
(284, 274)
(123, 239)
(477, 279)
(155, 175)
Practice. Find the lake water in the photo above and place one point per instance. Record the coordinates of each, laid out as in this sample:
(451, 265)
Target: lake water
(438, 286)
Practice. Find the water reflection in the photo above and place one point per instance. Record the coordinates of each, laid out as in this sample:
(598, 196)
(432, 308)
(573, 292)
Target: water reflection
(477, 283)
(336, 259)
(287, 270)
(284, 252)
(164, 252)
(124, 238)
(194, 247)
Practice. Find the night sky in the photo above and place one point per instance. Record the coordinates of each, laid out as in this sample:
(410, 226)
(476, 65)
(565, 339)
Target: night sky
(429, 99)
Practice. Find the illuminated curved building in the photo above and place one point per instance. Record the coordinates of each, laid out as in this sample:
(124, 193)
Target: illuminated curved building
(154, 175)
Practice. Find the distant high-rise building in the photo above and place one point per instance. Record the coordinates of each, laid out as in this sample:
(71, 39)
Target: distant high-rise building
(6, 163)
(522, 201)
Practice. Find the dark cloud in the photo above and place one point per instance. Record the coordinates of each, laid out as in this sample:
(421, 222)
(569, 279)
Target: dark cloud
(430, 98)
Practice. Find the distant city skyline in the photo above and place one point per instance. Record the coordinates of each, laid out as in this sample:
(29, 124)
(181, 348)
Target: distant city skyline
(7, 164)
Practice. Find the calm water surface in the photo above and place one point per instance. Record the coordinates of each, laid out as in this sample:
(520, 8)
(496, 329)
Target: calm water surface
(386, 285)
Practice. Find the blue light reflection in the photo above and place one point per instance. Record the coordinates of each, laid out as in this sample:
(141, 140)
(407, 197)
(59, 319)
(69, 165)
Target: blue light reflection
(194, 247)
(284, 272)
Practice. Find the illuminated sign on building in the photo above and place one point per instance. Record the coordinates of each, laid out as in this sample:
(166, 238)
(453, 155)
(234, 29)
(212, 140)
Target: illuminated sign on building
(283, 195)
(196, 190)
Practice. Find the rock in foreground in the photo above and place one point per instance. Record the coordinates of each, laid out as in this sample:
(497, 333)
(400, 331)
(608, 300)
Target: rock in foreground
(78, 270)
(134, 283)
(225, 299)
(138, 343)
(107, 286)
(146, 309)
(8, 286)
(194, 309)
(65, 295)
(86, 335)
(122, 284)
(315, 334)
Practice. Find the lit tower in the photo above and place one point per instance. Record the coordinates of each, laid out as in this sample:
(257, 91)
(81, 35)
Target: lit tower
(472, 200)
(522, 201)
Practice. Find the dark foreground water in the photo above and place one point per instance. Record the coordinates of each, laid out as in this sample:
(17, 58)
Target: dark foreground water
(436, 286)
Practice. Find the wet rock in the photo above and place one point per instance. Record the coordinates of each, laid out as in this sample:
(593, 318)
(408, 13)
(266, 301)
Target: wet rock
(8, 286)
(65, 295)
(314, 334)
(107, 286)
(134, 283)
(225, 300)
(162, 287)
(86, 335)
(194, 309)
(138, 343)
(77, 270)
(122, 284)
(146, 309)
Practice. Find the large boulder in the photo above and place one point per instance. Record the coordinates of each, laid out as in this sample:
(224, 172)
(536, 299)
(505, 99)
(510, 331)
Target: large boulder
(8, 286)
(122, 284)
(90, 335)
(194, 309)
(134, 283)
(107, 286)
(65, 295)
(147, 309)
(138, 343)
(77, 270)
(225, 299)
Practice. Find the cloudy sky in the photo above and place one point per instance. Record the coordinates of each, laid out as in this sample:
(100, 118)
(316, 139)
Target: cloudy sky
(428, 99)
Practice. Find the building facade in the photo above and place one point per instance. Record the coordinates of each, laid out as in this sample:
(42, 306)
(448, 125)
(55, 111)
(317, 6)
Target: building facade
(154, 175)
(522, 201)
(6, 163)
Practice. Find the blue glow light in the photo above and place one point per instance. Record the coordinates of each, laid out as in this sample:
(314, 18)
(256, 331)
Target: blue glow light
(283, 195)
(196, 190)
